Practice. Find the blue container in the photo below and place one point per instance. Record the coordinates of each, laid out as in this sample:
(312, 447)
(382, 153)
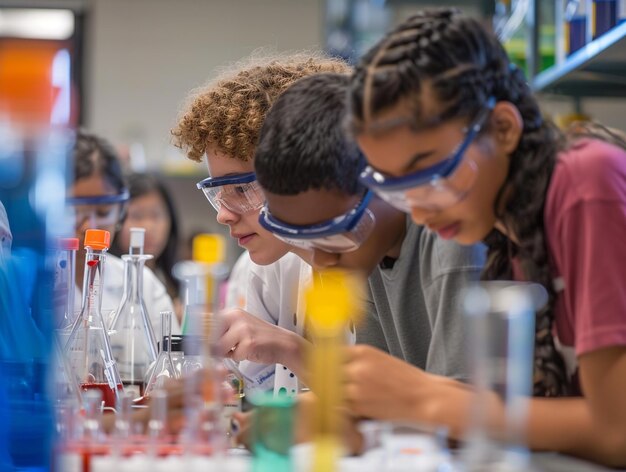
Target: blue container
(577, 33)
(605, 16)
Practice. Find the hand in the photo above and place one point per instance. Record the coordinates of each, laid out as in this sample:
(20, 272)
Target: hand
(382, 387)
(246, 337)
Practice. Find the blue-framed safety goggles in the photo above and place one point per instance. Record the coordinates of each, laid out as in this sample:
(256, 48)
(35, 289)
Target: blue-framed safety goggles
(343, 233)
(240, 193)
(99, 210)
(439, 186)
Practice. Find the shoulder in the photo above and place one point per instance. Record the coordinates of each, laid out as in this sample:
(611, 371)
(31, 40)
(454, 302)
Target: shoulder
(590, 170)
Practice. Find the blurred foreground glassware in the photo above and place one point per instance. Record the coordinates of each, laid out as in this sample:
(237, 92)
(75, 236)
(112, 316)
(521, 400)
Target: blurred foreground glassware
(272, 432)
(501, 330)
(331, 303)
(64, 281)
(205, 431)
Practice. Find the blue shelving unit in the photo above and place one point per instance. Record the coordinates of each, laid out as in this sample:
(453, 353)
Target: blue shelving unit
(596, 70)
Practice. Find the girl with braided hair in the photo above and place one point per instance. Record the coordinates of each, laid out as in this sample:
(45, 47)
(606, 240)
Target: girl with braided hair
(454, 136)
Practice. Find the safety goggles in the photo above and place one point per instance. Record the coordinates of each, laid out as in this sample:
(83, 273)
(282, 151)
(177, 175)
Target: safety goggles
(101, 210)
(437, 187)
(344, 233)
(239, 193)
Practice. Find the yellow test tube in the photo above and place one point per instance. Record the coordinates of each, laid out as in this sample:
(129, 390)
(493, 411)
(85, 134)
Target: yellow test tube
(331, 303)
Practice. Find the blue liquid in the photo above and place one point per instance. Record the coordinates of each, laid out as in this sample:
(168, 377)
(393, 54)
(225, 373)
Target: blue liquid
(605, 16)
(577, 33)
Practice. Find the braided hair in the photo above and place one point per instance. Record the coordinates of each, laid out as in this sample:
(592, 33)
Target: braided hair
(464, 66)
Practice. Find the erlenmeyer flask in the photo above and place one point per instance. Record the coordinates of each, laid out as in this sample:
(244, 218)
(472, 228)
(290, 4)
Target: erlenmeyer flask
(132, 337)
(88, 347)
(164, 367)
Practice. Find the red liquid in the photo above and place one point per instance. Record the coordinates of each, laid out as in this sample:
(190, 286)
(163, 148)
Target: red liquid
(108, 395)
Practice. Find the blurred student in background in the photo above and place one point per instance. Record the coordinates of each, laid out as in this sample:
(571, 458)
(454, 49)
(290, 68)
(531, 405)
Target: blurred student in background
(151, 207)
(97, 198)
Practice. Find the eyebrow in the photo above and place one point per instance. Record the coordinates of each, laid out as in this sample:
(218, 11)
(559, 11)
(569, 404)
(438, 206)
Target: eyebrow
(416, 158)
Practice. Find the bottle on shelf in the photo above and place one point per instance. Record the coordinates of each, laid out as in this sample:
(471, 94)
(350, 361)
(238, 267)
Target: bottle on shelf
(132, 337)
(575, 25)
(88, 347)
(604, 16)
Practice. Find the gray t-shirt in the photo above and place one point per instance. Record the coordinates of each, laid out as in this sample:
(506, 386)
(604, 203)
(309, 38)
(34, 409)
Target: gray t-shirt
(414, 311)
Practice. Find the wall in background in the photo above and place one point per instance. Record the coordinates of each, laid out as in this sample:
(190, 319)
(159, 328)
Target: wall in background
(144, 56)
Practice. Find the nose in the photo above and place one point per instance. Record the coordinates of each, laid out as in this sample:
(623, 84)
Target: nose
(323, 259)
(226, 216)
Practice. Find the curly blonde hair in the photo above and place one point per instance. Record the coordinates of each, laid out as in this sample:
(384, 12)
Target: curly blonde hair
(227, 113)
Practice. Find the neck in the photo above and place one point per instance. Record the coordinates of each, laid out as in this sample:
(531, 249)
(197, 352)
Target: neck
(398, 236)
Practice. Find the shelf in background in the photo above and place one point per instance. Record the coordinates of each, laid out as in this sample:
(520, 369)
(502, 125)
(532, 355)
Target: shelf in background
(598, 69)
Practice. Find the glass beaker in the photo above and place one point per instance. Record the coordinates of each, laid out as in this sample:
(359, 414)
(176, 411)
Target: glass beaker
(500, 319)
(88, 347)
(132, 338)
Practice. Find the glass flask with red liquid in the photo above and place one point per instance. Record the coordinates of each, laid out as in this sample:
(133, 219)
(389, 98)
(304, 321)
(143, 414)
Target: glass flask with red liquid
(132, 337)
(88, 347)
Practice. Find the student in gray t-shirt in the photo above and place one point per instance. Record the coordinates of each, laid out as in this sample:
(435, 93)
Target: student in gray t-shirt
(309, 172)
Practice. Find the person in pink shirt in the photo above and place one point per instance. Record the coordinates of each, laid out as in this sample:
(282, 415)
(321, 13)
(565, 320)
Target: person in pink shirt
(454, 135)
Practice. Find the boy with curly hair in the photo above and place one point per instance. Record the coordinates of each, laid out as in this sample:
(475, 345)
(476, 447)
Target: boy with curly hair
(222, 121)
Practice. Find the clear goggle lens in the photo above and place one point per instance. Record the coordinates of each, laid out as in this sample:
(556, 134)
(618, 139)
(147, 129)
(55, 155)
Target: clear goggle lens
(96, 215)
(238, 198)
(436, 194)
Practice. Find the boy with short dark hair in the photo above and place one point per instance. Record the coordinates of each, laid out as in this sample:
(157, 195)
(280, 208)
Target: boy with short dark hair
(308, 169)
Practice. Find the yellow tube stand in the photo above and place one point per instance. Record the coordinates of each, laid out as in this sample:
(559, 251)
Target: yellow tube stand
(331, 303)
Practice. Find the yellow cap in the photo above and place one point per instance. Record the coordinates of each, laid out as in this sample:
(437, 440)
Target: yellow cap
(333, 299)
(97, 239)
(208, 248)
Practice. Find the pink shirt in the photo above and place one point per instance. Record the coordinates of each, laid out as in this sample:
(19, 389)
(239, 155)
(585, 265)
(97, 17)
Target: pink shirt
(585, 222)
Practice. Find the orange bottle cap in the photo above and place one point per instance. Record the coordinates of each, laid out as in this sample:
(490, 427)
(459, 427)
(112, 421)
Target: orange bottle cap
(97, 239)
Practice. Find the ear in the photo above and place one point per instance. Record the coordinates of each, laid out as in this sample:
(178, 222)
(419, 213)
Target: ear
(507, 125)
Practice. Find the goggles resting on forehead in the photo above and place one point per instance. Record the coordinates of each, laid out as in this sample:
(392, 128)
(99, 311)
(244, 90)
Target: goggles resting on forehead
(343, 233)
(436, 187)
(239, 193)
